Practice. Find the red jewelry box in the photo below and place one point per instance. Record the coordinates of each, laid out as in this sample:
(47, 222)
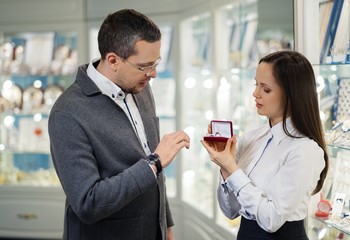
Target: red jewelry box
(221, 131)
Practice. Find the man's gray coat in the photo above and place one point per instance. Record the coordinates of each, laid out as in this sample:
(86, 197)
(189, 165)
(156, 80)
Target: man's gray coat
(111, 191)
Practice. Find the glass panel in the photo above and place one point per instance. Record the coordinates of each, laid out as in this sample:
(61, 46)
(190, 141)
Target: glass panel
(164, 90)
(35, 68)
(236, 101)
(333, 87)
(197, 109)
(334, 26)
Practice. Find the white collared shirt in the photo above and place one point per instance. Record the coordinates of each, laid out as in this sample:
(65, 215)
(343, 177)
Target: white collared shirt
(110, 89)
(276, 177)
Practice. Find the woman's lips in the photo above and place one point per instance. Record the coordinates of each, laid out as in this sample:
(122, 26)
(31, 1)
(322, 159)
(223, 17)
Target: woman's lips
(258, 105)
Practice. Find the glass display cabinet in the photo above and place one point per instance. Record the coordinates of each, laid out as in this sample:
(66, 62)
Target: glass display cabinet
(197, 104)
(332, 85)
(30, 84)
(35, 67)
(328, 50)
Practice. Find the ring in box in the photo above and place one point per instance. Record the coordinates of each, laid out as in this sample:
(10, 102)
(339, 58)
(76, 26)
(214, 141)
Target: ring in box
(221, 131)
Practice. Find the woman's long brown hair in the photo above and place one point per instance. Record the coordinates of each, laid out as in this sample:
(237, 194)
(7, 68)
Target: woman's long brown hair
(295, 75)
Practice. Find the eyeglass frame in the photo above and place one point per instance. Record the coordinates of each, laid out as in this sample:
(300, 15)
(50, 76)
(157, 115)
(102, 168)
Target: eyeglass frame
(142, 69)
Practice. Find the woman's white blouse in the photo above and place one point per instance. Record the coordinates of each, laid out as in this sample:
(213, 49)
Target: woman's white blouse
(277, 175)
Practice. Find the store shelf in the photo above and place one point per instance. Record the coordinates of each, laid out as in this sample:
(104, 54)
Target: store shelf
(31, 212)
(335, 224)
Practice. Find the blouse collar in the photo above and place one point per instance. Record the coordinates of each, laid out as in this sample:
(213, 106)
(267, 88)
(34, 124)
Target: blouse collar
(278, 131)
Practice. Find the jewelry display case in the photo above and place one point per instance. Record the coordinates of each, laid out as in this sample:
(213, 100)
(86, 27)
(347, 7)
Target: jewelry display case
(31, 197)
(334, 223)
(327, 49)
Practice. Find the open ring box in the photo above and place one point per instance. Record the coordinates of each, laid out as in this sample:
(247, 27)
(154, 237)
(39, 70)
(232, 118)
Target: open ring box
(221, 131)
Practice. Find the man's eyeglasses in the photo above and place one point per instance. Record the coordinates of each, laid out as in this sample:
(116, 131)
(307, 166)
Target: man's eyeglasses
(147, 69)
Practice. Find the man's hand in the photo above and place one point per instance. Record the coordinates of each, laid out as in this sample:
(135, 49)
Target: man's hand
(170, 145)
(170, 234)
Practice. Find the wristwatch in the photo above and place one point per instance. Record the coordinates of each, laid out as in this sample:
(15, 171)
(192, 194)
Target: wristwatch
(154, 159)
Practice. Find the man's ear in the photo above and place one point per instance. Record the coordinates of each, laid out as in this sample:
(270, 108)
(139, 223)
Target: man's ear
(113, 60)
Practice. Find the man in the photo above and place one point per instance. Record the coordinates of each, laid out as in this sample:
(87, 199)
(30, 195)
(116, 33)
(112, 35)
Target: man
(104, 137)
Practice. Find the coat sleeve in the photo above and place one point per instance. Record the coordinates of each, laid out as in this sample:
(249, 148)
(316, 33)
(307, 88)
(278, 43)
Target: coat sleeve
(92, 197)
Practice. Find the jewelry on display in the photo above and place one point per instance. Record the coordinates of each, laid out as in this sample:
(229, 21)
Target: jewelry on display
(221, 131)
(32, 98)
(324, 208)
(13, 93)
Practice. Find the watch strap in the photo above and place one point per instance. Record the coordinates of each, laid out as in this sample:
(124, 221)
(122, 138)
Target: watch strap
(154, 159)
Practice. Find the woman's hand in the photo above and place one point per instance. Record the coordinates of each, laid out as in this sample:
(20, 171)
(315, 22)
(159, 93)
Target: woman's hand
(223, 154)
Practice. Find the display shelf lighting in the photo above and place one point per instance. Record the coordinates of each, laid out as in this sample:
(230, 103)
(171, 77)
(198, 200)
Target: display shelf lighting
(9, 121)
(209, 115)
(190, 82)
(208, 83)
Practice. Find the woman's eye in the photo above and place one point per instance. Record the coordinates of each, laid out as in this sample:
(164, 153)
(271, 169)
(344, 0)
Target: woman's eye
(267, 90)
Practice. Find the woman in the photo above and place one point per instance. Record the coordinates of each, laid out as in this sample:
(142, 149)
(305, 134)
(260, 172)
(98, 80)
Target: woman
(270, 173)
